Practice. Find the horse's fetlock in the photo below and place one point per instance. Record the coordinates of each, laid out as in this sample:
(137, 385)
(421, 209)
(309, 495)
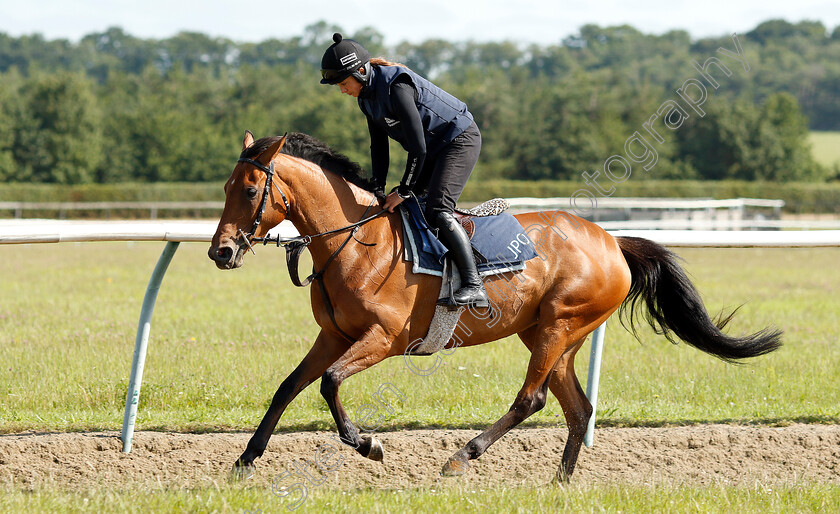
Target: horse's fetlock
(362, 445)
(538, 401)
(329, 385)
(252, 451)
(473, 450)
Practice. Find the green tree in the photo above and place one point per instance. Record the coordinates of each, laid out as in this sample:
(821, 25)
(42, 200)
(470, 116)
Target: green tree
(63, 142)
(175, 109)
(9, 114)
(782, 146)
(429, 59)
(565, 129)
(171, 131)
(778, 29)
(738, 140)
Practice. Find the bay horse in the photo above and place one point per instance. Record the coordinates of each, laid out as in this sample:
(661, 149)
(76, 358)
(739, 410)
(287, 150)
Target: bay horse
(371, 306)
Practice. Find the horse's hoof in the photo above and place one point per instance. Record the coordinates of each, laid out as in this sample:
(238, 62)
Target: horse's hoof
(376, 452)
(455, 468)
(242, 471)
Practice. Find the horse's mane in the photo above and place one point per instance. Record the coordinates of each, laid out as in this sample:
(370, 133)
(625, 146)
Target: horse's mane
(311, 149)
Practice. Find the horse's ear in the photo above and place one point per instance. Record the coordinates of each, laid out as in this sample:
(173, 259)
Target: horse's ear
(248, 141)
(273, 150)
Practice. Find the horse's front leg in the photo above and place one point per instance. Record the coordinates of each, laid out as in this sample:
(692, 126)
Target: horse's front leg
(324, 352)
(371, 349)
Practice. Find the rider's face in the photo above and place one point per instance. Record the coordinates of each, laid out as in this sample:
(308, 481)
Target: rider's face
(350, 86)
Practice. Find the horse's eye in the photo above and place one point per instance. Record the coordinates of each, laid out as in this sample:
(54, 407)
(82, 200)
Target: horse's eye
(251, 192)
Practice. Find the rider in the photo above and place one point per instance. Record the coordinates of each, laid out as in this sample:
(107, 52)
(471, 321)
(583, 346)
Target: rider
(434, 127)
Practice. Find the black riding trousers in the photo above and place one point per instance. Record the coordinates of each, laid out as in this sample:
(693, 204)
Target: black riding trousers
(443, 177)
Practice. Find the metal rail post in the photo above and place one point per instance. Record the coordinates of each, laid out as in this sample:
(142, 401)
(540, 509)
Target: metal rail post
(141, 343)
(592, 379)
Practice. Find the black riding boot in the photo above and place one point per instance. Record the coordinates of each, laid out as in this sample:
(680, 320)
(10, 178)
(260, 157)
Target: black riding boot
(455, 239)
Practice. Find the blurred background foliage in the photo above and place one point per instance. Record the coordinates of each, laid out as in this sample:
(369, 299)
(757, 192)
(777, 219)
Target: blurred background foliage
(113, 108)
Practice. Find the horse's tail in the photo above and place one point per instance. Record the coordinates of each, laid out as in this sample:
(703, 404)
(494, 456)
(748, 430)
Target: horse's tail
(674, 307)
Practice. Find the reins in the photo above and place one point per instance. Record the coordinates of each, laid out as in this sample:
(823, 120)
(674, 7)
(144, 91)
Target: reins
(296, 245)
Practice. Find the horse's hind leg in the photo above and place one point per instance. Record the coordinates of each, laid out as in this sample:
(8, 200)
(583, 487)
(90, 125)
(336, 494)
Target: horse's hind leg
(531, 398)
(564, 385)
(576, 408)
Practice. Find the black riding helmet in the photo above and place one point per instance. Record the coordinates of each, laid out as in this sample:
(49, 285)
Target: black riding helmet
(344, 58)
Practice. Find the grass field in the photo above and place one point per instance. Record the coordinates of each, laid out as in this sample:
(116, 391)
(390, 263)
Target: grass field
(221, 342)
(684, 499)
(825, 147)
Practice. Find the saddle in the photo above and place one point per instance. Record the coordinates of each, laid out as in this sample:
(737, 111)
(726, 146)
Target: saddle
(498, 239)
(488, 208)
(492, 233)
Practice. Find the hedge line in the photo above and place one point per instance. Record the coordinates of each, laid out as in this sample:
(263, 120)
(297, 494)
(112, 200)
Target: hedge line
(124, 192)
(798, 197)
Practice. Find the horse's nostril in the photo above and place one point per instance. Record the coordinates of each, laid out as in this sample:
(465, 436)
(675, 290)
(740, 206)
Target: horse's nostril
(222, 254)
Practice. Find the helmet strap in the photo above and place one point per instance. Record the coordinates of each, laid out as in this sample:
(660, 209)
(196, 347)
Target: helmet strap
(364, 78)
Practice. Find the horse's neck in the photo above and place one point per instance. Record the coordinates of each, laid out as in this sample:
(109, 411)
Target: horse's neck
(325, 201)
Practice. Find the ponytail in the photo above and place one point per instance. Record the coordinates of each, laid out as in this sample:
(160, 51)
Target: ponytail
(378, 61)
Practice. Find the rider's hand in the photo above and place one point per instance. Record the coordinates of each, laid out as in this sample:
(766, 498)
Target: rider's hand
(392, 201)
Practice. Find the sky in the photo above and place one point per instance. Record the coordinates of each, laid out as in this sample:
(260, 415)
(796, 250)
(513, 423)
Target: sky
(538, 21)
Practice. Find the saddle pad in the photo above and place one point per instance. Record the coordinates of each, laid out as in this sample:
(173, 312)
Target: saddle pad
(444, 321)
(500, 243)
(441, 330)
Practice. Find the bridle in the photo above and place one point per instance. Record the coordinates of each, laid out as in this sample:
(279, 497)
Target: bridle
(286, 241)
(295, 245)
(269, 173)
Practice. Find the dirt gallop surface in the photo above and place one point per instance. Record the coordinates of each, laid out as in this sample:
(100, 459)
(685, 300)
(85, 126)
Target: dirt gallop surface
(699, 455)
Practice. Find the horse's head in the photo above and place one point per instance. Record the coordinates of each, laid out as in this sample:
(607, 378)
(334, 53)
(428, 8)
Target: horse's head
(254, 202)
